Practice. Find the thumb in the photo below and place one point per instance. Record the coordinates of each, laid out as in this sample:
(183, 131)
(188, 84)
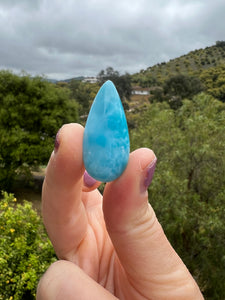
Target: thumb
(149, 261)
(65, 280)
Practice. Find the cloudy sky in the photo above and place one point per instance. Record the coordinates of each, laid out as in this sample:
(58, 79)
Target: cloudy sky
(63, 39)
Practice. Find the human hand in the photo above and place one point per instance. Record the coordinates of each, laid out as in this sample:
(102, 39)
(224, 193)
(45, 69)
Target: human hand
(110, 247)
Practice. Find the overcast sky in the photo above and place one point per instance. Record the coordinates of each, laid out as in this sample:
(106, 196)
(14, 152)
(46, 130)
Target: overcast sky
(68, 38)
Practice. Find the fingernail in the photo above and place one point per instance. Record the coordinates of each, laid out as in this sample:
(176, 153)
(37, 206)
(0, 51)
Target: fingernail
(57, 141)
(88, 180)
(149, 173)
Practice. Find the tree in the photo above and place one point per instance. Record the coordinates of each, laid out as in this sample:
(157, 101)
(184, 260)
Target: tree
(122, 83)
(157, 95)
(179, 87)
(84, 93)
(31, 112)
(220, 44)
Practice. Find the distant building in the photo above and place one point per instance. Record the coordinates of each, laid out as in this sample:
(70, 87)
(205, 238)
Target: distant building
(138, 90)
(90, 79)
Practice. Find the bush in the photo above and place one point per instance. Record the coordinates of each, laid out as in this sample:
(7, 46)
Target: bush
(25, 250)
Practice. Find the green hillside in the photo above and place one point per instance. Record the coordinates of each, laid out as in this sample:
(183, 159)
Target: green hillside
(192, 64)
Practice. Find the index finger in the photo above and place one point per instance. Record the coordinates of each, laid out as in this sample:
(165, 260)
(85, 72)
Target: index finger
(62, 207)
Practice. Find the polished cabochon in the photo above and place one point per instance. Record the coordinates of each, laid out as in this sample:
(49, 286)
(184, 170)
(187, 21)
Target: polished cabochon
(106, 144)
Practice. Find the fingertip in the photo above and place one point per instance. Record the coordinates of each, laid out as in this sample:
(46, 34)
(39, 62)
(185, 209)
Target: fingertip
(66, 163)
(69, 136)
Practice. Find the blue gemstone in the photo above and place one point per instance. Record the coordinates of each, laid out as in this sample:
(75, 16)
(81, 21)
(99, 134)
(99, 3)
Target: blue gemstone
(106, 144)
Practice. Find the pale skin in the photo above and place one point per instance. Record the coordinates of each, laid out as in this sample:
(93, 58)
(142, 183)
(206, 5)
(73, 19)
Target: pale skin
(110, 246)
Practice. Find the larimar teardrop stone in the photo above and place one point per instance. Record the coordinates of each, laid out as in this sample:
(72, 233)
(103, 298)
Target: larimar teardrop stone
(106, 144)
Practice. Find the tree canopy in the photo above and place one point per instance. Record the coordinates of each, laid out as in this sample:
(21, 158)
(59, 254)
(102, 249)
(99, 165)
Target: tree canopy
(31, 112)
(176, 88)
(84, 93)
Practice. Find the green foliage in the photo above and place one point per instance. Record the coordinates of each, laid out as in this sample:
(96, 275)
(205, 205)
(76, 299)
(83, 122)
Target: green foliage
(220, 44)
(143, 81)
(183, 86)
(177, 88)
(188, 190)
(214, 80)
(84, 93)
(31, 112)
(25, 251)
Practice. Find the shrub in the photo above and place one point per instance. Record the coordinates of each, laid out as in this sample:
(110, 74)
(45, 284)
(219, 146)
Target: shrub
(25, 250)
